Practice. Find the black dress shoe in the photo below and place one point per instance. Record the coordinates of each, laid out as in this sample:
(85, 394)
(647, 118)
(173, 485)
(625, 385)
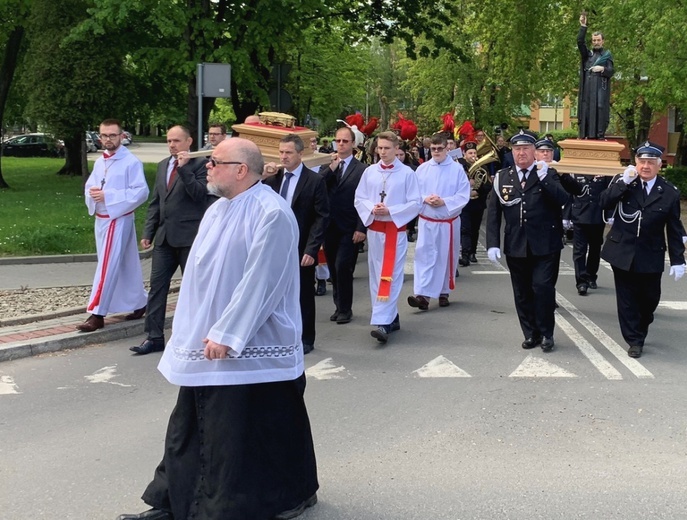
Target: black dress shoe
(381, 333)
(149, 346)
(321, 288)
(473, 258)
(443, 300)
(531, 342)
(418, 302)
(344, 317)
(136, 315)
(463, 261)
(547, 344)
(582, 289)
(592, 285)
(308, 348)
(635, 351)
(334, 316)
(151, 514)
(298, 510)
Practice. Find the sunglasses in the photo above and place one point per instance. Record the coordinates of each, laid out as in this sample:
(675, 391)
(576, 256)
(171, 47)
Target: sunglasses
(344, 141)
(437, 148)
(215, 162)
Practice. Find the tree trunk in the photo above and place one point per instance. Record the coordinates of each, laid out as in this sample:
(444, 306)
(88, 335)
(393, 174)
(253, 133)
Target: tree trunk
(645, 113)
(75, 156)
(9, 65)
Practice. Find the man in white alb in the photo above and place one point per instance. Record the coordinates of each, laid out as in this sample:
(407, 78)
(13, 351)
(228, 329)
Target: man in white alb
(386, 199)
(238, 443)
(445, 190)
(115, 188)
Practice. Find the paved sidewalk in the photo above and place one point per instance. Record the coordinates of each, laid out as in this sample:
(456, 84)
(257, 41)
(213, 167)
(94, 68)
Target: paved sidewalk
(56, 331)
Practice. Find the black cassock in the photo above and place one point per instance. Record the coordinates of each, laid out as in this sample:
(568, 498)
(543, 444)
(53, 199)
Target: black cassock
(593, 109)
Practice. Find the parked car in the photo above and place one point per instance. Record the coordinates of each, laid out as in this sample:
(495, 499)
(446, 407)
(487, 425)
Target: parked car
(127, 138)
(33, 145)
(90, 145)
(95, 137)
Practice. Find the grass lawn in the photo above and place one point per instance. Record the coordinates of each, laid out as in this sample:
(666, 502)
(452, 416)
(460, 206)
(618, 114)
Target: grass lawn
(45, 214)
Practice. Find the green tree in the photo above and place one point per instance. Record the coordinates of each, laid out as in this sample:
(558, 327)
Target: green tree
(12, 31)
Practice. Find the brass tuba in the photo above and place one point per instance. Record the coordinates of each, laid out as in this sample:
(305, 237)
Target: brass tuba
(486, 153)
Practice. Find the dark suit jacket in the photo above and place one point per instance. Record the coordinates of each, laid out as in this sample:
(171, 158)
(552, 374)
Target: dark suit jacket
(175, 215)
(535, 222)
(342, 213)
(660, 217)
(310, 205)
(583, 208)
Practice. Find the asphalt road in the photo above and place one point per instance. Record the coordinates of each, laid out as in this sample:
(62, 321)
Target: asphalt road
(450, 420)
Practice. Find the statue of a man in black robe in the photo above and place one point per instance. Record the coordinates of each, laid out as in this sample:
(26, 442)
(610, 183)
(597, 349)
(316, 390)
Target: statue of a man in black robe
(593, 109)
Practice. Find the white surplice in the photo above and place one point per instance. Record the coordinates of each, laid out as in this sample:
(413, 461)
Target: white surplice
(118, 282)
(402, 197)
(434, 264)
(241, 289)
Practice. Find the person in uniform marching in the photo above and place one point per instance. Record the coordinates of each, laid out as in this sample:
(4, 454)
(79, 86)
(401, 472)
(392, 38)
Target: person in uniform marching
(529, 198)
(646, 212)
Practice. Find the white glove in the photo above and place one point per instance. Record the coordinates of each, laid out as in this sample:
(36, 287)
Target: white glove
(610, 221)
(629, 174)
(542, 169)
(567, 224)
(678, 271)
(494, 253)
(684, 240)
(597, 68)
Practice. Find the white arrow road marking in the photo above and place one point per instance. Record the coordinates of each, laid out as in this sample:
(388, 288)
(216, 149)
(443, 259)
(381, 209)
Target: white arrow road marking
(675, 306)
(619, 352)
(7, 386)
(596, 359)
(105, 375)
(538, 367)
(440, 367)
(325, 369)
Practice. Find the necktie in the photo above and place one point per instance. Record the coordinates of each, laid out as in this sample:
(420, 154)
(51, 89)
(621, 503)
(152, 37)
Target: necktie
(386, 166)
(645, 190)
(285, 187)
(523, 182)
(340, 172)
(172, 175)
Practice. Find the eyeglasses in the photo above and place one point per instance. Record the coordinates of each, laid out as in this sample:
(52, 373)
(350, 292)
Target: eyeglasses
(215, 162)
(111, 137)
(215, 133)
(344, 141)
(437, 148)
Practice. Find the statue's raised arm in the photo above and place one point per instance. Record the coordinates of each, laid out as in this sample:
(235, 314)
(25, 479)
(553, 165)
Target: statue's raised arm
(596, 71)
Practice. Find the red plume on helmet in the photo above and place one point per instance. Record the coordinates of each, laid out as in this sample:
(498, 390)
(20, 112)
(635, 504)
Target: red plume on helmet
(370, 127)
(356, 120)
(466, 129)
(449, 123)
(406, 127)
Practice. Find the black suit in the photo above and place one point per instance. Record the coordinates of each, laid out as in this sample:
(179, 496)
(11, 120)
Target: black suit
(533, 239)
(636, 246)
(344, 221)
(171, 223)
(588, 223)
(310, 205)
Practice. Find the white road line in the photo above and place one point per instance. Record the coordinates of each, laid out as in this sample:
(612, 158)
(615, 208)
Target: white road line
(596, 359)
(440, 367)
(675, 306)
(105, 375)
(537, 367)
(7, 386)
(325, 369)
(619, 352)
